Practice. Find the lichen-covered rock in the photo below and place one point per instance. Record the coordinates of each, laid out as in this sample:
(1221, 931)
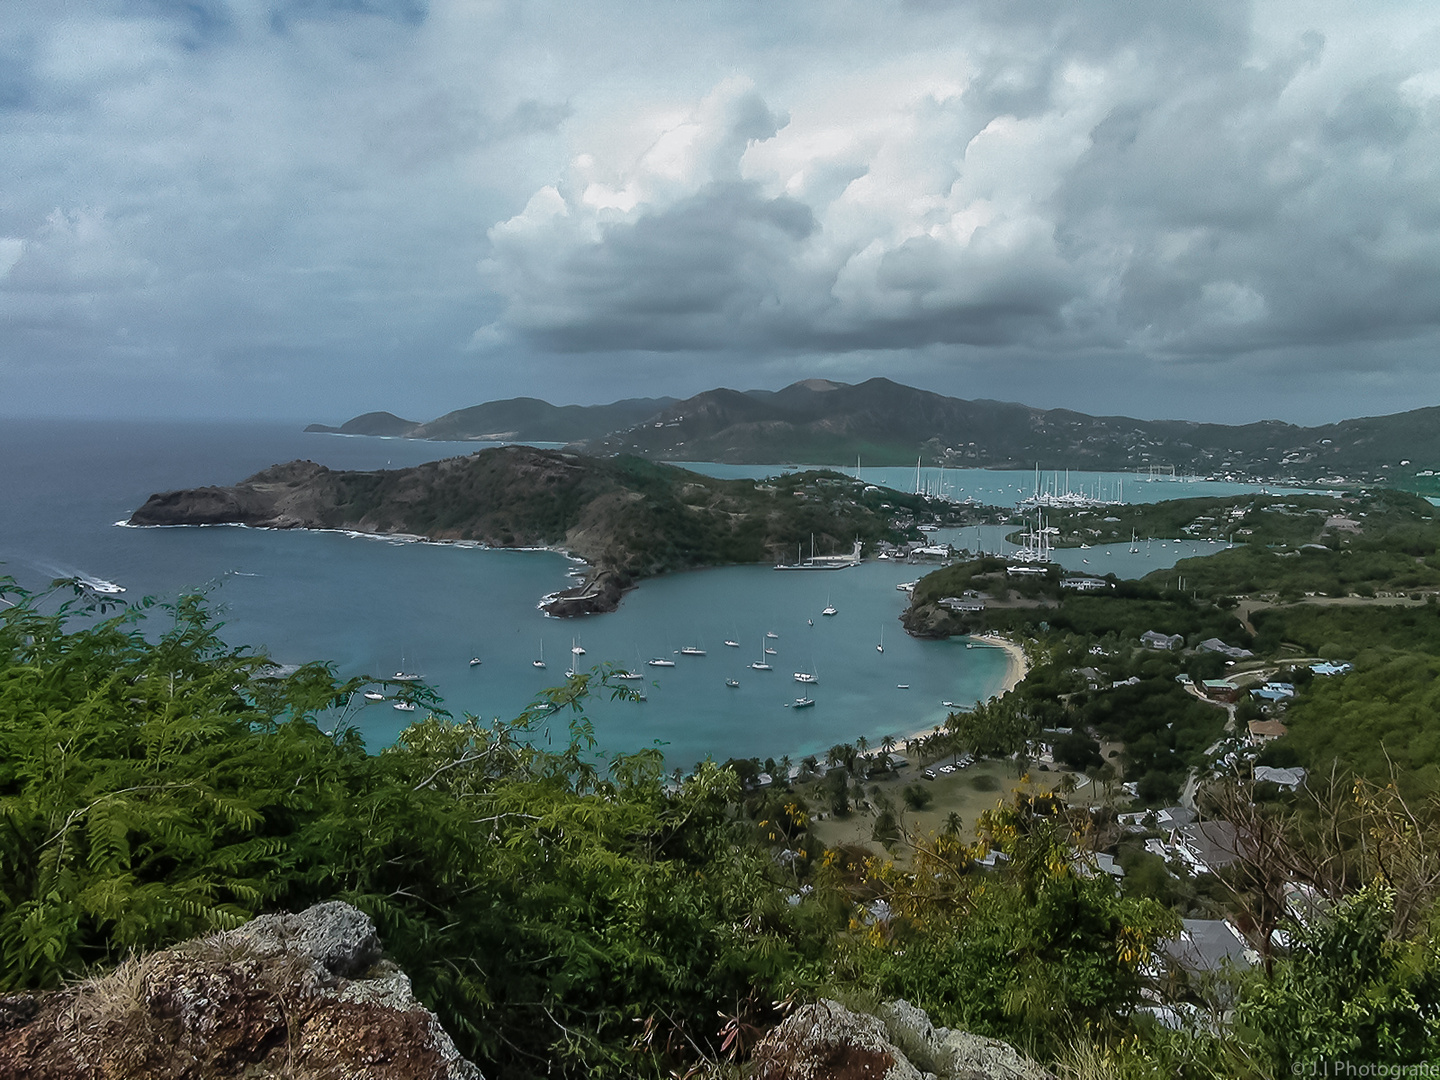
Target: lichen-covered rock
(827, 1041)
(295, 996)
(962, 1055)
(339, 937)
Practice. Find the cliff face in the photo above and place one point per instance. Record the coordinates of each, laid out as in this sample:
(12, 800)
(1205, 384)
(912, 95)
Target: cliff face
(299, 997)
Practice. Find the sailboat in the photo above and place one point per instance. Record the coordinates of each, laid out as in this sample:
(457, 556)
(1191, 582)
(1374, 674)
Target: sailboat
(881, 646)
(1134, 547)
(803, 702)
(762, 664)
(540, 663)
(575, 649)
(732, 643)
(692, 650)
(830, 608)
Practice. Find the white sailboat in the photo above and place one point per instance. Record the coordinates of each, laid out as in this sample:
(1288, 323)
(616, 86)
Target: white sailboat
(762, 664)
(881, 646)
(540, 663)
(830, 608)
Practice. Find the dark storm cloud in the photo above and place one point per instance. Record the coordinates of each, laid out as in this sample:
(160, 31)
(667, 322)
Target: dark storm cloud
(211, 204)
(1156, 181)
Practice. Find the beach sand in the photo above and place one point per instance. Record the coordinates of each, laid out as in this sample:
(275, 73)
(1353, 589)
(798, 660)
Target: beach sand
(1016, 669)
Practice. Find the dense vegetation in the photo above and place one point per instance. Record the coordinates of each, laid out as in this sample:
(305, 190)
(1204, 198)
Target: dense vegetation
(576, 916)
(624, 514)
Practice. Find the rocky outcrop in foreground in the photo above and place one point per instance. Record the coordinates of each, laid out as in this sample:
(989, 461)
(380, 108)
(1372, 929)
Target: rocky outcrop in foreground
(299, 997)
(827, 1041)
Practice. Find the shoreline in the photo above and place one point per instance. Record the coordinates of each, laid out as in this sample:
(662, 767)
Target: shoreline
(1017, 666)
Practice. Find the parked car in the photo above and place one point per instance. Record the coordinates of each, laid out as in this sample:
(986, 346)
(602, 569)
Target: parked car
(929, 774)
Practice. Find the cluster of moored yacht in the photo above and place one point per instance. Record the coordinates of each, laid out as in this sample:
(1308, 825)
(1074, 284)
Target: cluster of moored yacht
(762, 663)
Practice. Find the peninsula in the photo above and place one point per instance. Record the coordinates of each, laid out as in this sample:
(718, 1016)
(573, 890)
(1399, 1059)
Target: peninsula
(627, 517)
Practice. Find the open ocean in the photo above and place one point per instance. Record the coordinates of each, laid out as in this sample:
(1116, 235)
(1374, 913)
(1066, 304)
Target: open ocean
(373, 606)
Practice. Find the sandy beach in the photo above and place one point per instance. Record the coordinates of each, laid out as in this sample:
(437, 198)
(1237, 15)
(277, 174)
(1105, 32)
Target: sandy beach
(1016, 668)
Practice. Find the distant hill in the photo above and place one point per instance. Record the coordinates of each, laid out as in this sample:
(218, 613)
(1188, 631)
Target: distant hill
(515, 419)
(818, 422)
(370, 423)
(886, 423)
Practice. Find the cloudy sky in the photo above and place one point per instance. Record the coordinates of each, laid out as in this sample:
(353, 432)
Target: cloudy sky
(311, 208)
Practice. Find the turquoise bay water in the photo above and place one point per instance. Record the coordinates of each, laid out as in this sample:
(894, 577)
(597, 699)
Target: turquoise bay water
(374, 606)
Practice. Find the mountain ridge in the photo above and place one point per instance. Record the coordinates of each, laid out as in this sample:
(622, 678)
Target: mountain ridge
(821, 422)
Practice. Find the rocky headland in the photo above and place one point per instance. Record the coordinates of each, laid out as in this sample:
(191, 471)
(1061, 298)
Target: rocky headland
(629, 519)
(301, 997)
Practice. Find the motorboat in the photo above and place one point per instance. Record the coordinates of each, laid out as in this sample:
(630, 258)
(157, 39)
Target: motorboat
(769, 651)
(100, 585)
(902, 686)
(373, 695)
(771, 634)
(404, 706)
(474, 661)
(660, 661)
(732, 644)
(732, 682)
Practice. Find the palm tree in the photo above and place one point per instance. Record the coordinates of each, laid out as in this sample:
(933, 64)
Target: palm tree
(952, 824)
(862, 744)
(887, 744)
